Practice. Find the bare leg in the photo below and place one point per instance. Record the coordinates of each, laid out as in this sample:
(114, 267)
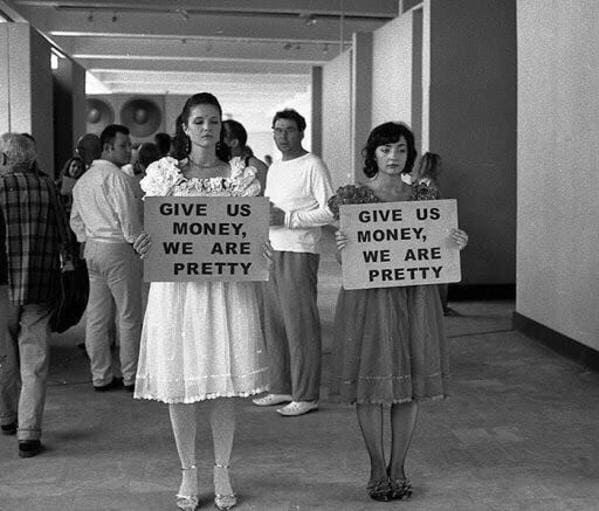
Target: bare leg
(403, 423)
(222, 422)
(370, 418)
(184, 423)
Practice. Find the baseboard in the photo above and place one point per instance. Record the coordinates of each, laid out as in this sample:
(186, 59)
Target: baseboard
(463, 292)
(560, 343)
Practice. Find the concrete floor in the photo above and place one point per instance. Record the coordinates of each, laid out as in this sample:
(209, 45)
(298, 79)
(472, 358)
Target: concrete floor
(518, 433)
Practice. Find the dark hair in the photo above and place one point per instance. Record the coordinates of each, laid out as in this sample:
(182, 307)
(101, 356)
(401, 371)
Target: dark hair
(236, 130)
(163, 143)
(388, 133)
(65, 168)
(181, 142)
(429, 166)
(109, 133)
(89, 147)
(148, 153)
(292, 115)
(29, 136)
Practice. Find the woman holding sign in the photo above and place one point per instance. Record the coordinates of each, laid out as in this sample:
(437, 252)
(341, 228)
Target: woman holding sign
(202, 341)
(390, 349)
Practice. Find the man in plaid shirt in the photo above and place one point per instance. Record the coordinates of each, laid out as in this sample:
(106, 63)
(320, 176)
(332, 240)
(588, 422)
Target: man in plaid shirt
(36, 232)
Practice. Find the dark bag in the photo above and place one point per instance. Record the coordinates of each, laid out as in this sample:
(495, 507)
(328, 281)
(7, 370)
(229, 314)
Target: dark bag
(72, 299)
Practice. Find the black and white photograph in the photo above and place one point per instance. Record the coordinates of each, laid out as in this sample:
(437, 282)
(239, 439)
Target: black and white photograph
(299, 255)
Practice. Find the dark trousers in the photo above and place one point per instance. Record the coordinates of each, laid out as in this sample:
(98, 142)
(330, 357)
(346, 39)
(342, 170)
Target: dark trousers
(292, 325)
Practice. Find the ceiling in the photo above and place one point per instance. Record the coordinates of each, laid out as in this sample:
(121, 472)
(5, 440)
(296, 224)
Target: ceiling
(258, 51)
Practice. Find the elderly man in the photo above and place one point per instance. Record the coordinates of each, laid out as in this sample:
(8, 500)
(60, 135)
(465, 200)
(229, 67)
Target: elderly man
(299, 187)
(36, 232)
(106, 218)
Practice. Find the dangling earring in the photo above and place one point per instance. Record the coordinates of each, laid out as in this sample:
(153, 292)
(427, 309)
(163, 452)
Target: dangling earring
(187, 145)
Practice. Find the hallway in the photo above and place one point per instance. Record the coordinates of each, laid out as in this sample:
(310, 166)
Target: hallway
(518, 433)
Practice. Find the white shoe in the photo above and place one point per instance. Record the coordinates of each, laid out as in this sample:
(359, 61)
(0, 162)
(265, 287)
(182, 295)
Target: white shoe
(298, 408)
(272, 399)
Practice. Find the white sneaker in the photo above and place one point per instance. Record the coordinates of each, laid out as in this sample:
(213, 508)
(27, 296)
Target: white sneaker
(272, 399)
(298, 408)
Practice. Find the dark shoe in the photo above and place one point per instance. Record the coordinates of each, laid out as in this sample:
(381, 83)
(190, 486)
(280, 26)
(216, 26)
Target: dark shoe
(129, 388)
(9, 429)
(401, 489)
(451, 312)
(29, 448)
(380, 490)
(116, 383)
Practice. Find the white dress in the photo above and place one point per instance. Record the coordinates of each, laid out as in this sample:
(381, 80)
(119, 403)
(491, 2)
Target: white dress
(200, 340)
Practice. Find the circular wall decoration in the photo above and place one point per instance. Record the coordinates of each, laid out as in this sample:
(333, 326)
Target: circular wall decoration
(99, 115)
(142, 117)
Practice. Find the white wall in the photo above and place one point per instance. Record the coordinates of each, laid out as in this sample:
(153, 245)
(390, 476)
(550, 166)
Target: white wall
(558, 166)
(392, 72)
(336, 118)
(26, 90)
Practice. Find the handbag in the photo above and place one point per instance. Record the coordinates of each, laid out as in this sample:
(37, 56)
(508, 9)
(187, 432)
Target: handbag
(72, 298)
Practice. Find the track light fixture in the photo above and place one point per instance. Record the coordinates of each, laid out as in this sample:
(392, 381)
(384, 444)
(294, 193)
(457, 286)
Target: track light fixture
(183, 13)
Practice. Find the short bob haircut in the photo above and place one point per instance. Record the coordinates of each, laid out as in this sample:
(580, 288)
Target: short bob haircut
(388, 133)
(291, 115)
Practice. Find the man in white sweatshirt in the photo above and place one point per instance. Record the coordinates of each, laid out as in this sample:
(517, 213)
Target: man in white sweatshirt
(298, 187)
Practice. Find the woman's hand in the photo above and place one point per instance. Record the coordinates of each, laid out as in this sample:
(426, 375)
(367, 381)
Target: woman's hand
(142, 244)
(267, 253)
(341, 242)
(460, 237)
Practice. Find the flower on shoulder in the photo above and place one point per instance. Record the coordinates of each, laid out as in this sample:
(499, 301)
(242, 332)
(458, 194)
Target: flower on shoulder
(161, 176)
(424, 191)
(350, 194)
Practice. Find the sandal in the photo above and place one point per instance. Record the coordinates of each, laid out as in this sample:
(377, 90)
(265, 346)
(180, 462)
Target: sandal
(380, 490)
(187, 502)
(223, 502)
(401, 489)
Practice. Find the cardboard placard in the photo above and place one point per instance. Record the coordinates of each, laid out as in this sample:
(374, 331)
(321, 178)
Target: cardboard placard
(394, 244)
(206, 238)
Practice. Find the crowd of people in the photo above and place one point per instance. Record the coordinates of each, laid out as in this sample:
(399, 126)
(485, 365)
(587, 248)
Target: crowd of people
(200, 344)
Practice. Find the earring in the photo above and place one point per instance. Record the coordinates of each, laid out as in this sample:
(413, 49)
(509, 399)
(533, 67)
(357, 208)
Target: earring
(187, 145)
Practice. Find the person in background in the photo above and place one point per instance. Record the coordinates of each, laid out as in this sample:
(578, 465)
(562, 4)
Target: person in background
(106, 217)
(390, 350)
(71, 171)
(163, 142)
(36, 237)
(35, 167)
(236, 138)
(4, 306)
(89, 148)
(299, 187)
(426, 174)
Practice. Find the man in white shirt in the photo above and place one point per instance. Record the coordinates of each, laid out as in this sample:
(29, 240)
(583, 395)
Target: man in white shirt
(298, 187)
(106, 218)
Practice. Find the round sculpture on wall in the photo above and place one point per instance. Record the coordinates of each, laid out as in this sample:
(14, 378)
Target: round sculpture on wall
(99, 115)
(142, 116)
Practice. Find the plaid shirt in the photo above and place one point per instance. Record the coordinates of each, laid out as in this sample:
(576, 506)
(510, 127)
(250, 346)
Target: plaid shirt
(36, 231)
(3, 261)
